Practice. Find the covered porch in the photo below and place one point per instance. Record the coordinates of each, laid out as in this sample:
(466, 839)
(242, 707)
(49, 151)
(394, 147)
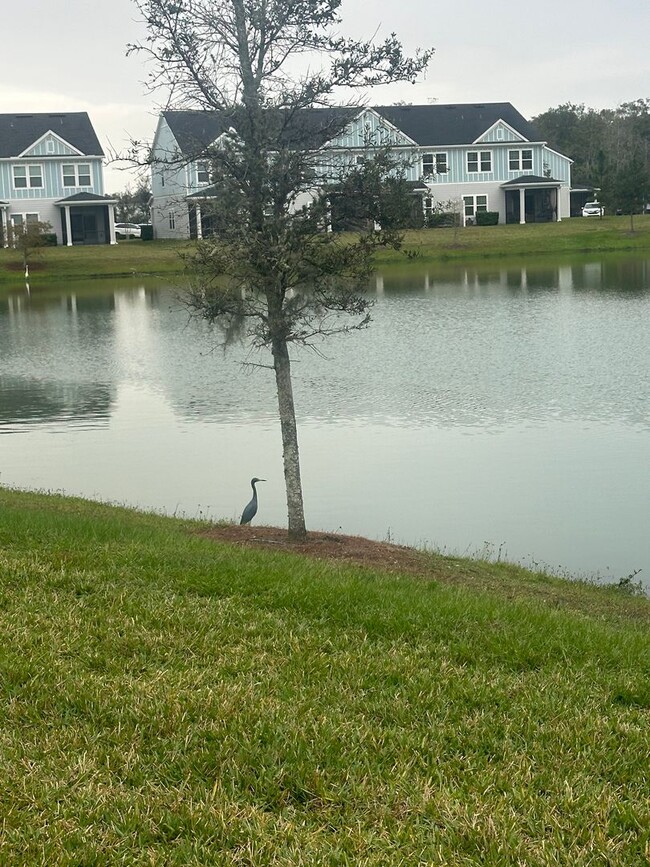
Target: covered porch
(531, 199)
(202, 219)
(4, 233)
(87, 218)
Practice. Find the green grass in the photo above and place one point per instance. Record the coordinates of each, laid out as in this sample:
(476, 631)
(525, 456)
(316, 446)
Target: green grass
(570, 237)
(126, 259)
(169, 700)
(138, 258)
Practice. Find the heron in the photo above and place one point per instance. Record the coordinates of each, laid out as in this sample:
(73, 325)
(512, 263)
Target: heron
(251, 508)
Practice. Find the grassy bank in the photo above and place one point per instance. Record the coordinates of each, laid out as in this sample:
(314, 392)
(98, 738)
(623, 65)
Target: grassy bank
(137, 258)
(171, 700)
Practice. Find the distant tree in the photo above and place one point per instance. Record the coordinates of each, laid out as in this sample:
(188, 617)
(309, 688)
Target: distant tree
(29, 237)
(133, 205)
(273, 274)
(600, 142)
(628, 189)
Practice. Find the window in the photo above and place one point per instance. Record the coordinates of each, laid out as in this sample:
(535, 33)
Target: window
(27, 176)
(18, 221)
(76, 175)
(520, 160)
(479, 161)
(434, 164)
(50, 146)
(172, 220)
(203, 173)
(473, 204)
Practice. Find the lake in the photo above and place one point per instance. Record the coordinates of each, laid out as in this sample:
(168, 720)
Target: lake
(499, 411)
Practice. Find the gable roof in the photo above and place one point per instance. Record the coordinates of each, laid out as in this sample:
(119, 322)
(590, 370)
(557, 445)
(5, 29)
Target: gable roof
(426, 125)
(19, 131)
(439, 125)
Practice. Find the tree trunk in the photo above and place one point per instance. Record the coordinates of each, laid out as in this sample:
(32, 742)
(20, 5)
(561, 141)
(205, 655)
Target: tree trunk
(290, 453)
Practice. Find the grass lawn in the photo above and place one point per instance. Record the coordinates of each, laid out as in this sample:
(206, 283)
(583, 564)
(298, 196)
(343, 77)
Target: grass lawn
(167, 699)
(475, 243)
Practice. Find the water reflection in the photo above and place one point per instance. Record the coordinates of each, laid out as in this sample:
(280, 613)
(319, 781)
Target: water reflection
(27, 401)
(498, 403)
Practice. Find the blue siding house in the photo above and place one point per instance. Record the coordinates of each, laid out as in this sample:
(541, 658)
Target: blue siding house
(51, 171)
(467, 158)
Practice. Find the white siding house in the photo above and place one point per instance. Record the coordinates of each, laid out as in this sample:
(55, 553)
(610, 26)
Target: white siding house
(470, 157)
(51, 171)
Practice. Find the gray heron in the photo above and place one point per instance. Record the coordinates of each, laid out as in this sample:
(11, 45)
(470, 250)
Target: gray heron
(251, 508)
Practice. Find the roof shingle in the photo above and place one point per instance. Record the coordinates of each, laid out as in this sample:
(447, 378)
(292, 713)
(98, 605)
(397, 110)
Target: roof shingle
(19, 131)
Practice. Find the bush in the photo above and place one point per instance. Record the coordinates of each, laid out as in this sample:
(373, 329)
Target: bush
(49, 239)
(146, 232)
(487, 218)
(441, 220)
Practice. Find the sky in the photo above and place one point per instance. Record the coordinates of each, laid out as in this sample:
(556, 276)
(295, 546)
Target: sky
(72, 57)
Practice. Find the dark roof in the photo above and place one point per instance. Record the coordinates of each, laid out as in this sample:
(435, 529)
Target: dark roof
(439, 125)
(19, 131)
(195, 130)
(80, 198)
(530, 180)
(427, 125)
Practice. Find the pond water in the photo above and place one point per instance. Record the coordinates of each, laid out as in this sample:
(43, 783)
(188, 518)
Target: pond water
(498, 411)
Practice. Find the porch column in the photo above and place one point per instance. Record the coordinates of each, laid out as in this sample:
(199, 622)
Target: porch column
(111, 224)
(68, 226)
(558, 213)
(199, 223)
(5, 227)
(522, 205)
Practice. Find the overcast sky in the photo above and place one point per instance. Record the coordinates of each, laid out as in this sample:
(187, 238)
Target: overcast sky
(72, 57)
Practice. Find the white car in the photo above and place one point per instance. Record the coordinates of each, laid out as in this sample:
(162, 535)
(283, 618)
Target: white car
(127, 230)
(593, 209)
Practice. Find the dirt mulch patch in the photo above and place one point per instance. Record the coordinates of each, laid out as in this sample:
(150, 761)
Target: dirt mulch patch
(328, 546)
(18, 266)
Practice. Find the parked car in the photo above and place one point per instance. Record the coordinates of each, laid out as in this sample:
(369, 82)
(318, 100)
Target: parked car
(127, 230)
(593, 209)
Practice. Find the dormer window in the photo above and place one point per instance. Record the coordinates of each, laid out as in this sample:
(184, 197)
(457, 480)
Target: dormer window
(27, 177)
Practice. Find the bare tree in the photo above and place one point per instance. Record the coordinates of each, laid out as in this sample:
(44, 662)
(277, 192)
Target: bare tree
(272, 272)
(29, 237)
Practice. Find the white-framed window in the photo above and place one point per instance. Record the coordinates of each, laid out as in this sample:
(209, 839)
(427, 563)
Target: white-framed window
(427, 204)
(479, 161)
(20, 220)
(28, 176)
(172, 220)
(202, 172)
(435, 164)
(520, 160)
(473, 204)
(76, 175)
(50, 146)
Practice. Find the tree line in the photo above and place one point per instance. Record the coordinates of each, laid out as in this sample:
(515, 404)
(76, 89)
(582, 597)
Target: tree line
(610, 148)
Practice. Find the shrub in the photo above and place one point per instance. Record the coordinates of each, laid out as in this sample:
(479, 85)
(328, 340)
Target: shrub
(487, 218)
(441, 219)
